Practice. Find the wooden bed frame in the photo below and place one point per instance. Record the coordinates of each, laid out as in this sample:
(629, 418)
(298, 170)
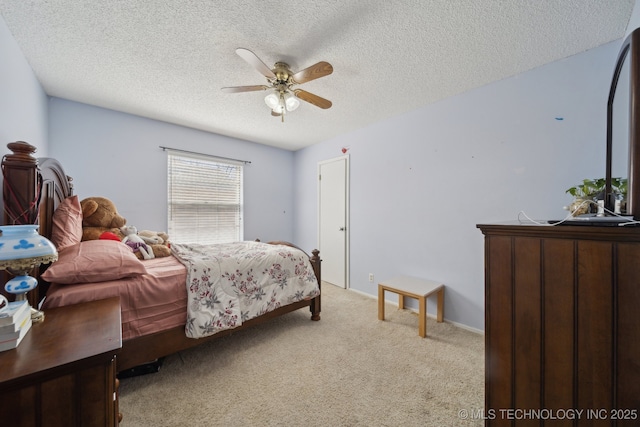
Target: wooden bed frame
(33, 188)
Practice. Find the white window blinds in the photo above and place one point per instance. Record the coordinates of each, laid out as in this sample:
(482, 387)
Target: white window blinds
(205, 199)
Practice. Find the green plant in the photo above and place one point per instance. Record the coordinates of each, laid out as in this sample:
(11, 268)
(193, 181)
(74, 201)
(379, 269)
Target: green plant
(589, 188)
(619, 186)
(592, 188)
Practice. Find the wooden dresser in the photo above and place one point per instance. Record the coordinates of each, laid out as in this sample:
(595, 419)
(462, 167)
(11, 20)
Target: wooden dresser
(64, 371)
(562, 325)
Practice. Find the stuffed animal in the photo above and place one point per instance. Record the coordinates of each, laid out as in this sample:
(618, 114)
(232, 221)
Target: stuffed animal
(136, 243)
(101, 220)
(154, 237)
(99, 214)
(158, 241)
(161, 250)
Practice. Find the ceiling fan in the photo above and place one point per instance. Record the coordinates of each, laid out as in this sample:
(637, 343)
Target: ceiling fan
(283, 97)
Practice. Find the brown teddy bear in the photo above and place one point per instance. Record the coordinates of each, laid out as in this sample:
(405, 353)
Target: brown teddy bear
(99, 214)
(101, 220)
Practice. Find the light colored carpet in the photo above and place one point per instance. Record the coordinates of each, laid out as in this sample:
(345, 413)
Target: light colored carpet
(348, 369)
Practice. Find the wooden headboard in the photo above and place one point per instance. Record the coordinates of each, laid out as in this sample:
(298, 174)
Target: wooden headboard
(56, 186)
(32, 188)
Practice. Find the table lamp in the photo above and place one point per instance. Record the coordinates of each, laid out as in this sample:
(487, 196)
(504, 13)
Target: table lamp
(21, 250)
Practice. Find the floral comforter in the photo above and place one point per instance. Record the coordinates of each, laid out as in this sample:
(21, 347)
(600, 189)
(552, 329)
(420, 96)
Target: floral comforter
(230, 283)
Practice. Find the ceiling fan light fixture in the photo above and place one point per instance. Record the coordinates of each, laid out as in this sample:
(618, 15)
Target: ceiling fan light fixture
(272, 101)
(291, 102)
(283, 98)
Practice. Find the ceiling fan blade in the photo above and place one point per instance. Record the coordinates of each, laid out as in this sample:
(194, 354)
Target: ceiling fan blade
(316, 71)
(312, 99)
(235, 89)
(257, 63)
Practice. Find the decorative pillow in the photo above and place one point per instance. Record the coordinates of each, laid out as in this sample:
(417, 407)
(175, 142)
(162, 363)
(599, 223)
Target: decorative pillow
(66, 227)
(94, 261)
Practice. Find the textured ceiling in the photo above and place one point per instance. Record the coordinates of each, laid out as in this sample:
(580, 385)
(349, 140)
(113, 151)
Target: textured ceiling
(168, 60)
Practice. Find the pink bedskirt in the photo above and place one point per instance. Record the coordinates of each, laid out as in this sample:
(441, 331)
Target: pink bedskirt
(150, 303)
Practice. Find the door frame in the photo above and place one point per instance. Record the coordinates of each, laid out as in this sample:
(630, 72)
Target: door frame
(347, 214)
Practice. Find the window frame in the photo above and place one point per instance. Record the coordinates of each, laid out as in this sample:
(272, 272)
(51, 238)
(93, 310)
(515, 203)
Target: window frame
(210, 193)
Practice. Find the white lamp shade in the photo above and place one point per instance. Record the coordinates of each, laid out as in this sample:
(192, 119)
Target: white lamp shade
(272, 101)
(291, 102)
(280, 109)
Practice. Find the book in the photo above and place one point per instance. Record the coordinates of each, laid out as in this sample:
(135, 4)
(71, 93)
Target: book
(12, 311)
(12, 329)
(13, 343)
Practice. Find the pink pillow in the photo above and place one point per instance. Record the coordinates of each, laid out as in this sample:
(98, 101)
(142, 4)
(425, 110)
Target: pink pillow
(66, 229)
(94, 261)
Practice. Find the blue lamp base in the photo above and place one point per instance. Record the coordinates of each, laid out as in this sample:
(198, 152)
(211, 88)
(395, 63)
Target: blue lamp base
(19, 286)
(21, 250)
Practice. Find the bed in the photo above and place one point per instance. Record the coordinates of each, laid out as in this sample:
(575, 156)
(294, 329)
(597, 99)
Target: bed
(156, 304)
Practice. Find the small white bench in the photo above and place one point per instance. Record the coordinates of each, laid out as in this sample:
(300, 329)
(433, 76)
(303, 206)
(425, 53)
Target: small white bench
(413, 287)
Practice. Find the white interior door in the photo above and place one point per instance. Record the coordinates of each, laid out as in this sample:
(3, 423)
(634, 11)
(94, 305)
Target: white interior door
(333, 218)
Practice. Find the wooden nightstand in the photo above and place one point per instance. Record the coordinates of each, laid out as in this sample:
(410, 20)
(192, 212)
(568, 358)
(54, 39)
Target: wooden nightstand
(64, 371)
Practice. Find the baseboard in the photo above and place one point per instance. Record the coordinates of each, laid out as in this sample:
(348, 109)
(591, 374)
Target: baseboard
(459, 325)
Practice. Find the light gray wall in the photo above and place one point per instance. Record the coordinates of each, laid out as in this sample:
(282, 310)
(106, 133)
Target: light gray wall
(421, 182)
(23, 102)
(117, 155)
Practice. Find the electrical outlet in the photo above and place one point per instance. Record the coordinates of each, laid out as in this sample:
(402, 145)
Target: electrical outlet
(371, 277)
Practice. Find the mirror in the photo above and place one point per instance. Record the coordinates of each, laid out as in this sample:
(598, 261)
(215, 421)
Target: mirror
(623, 132)
(620, 133)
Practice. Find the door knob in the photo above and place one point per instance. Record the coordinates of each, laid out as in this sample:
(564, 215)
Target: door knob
(342, 228)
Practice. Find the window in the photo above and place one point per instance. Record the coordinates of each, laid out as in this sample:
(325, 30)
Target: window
(205, 199)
